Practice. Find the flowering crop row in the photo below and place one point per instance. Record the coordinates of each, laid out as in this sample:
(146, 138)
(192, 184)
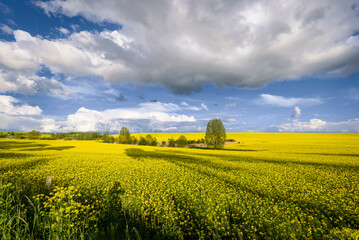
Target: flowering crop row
(273, 186)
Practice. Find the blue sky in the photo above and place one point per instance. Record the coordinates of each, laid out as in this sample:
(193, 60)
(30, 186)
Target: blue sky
(169, 66)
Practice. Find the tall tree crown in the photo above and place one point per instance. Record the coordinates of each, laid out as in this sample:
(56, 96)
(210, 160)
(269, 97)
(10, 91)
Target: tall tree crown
(215, 134)
(125, 136)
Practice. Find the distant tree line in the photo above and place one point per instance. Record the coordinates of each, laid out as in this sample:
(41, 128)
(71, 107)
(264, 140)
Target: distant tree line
(8, 134)
(215, 137)
(52, 136)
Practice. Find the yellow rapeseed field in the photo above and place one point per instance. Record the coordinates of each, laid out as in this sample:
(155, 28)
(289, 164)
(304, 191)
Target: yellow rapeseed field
(271, 186)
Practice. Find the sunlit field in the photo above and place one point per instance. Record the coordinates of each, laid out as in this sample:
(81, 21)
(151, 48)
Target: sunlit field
(271, 186)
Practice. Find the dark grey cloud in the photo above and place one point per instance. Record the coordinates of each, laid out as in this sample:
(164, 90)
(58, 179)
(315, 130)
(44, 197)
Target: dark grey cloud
(185, 44)
(121, 98)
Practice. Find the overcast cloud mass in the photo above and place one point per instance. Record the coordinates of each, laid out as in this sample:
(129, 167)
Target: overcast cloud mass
(181, 46)
(184, 44)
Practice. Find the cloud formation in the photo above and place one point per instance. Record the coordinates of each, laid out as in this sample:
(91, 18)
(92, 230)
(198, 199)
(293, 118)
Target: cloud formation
(204, 106)
(146, 117)
(297, 112)
(184, 44)
(18, 69)
(10, 105)
(121, 98)
(5, 28)
(15, 115)
(279, 101)
(18, 116)
(318, 125)
(186, 106)
(112, 119)
(230, 105)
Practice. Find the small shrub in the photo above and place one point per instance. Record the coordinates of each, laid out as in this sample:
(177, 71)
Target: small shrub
(34, 134)
(86, 136)
(106, 136)
(112, 139)
(134, 140)
(163, 143)
(142, 141)
(171, 142)
(154, 142)
(181, 141)
(149, 139)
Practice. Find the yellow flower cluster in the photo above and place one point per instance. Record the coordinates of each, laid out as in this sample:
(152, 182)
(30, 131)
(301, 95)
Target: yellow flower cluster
(66, 211)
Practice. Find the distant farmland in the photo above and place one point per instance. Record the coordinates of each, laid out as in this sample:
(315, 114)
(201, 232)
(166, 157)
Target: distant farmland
(271, 186)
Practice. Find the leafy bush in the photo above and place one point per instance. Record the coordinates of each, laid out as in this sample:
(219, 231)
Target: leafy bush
(86, 136)
(142, 141)
(154, 142)
(112, 139)
(149, 139)
(106, 136)
(34, 134)
(171, 142)
(134, 140)
(181, 141)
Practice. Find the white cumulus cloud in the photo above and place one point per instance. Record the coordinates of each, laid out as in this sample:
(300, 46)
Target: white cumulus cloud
(112, 119)
(15, 115)
(279, 101)
(318, 125)
(11, 106)
(18, 116)
(230, 105)
(63, 30)
(18, 67)
(297, 112)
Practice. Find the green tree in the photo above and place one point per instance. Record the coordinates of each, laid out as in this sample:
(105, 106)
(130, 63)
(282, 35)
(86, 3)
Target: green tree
(19, 136)
(60, 135)
(215, 134)
(112, 139)
(34, 134)
(149, 139)
(154, 142)
(125, 136)
(181, 141)
(106, 136)
(88, 136)
(171, 142)
(134, 140)
(142, 141)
